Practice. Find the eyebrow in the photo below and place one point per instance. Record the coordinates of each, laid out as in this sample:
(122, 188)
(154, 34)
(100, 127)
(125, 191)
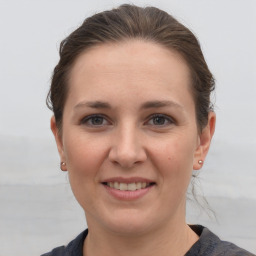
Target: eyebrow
(160, 104)
(146, 105)
(93, 104)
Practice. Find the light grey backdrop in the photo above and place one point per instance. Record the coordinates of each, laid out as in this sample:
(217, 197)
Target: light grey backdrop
(37, 209)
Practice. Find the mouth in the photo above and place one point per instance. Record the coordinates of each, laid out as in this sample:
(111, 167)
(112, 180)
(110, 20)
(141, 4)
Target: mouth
(129, 186)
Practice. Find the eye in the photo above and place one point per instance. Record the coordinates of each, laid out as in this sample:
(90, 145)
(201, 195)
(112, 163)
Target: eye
(160, 120)
(95, 120)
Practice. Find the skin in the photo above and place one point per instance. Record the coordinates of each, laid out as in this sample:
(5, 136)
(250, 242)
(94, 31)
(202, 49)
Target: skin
(125, 140)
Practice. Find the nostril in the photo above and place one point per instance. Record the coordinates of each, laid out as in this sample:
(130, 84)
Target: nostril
(127, 152)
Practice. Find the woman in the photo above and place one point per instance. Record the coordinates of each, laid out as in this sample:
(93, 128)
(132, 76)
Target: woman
(132, 119)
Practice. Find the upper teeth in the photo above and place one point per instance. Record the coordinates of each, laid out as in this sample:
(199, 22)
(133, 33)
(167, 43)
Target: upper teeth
(127, 186)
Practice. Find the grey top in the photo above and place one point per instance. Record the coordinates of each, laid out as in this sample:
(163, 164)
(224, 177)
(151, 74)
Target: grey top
(208, 244)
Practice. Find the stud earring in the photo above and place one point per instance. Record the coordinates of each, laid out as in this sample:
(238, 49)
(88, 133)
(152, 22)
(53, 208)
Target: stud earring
(200, 161)
(63, 164)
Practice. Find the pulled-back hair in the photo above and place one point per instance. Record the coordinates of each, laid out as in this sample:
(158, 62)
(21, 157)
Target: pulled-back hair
(132, 22)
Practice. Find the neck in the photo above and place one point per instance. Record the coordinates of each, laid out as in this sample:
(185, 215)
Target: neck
(169, 240)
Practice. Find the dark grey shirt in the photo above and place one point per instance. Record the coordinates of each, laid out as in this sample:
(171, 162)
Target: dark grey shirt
(207, 245)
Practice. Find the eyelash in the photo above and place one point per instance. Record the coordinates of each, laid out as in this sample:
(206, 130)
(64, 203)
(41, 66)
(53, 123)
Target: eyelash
(87, 119)
(165, 117)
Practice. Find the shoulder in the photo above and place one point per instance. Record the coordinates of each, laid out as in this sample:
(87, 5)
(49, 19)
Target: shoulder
(209, 244)
(58, 251)
(74, 248)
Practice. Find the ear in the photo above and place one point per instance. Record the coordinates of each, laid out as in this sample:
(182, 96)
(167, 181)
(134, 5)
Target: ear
(59, 143)
(204, 141)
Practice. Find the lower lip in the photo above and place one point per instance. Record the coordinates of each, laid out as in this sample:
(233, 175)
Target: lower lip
(127, 195)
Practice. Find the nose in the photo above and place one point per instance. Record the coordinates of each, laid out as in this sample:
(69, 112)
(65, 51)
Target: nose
(127, 148)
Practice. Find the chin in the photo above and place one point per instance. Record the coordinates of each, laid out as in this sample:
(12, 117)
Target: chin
(129, 223)
(129, 228)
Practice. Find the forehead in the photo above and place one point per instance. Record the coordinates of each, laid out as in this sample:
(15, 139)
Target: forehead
(133, 54)
(134, 65)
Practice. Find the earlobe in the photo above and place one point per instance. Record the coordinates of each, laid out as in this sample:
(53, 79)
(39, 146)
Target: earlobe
(58, 138)
(204, 141)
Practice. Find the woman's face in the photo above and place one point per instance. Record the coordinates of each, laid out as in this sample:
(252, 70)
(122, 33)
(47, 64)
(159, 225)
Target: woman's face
(130, 138)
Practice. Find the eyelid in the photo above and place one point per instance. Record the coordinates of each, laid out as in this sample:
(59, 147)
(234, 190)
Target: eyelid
(85, 119)
(167, 117)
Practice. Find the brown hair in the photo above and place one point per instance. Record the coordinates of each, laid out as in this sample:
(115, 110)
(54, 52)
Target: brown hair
(129, 22)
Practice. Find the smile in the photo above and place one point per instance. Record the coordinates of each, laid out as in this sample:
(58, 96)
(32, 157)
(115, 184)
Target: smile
(129, 189)
(128, 186)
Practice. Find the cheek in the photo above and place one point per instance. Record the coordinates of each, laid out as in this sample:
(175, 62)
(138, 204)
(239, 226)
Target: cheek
(84, 160)
(174, 160)
(83, 153)
(178, 152)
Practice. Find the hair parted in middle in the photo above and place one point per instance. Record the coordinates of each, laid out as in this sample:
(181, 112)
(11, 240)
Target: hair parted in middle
(129, 22)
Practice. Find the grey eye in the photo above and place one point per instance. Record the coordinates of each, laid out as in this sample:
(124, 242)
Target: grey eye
(94, 120)
(160, 120)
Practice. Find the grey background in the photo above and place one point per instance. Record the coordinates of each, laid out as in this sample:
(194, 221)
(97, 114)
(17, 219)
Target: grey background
(37, 208)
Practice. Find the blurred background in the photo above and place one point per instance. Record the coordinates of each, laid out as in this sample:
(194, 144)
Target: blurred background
(37, 208)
